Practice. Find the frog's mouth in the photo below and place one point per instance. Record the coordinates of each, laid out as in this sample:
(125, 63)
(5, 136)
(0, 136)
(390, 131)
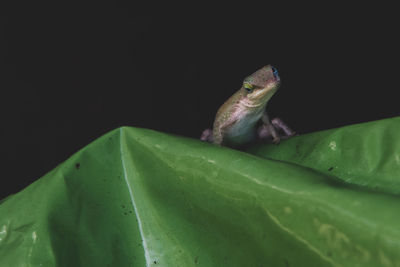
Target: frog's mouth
(262, 95)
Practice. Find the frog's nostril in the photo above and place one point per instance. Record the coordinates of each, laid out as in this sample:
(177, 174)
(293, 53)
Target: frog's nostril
(275, 72)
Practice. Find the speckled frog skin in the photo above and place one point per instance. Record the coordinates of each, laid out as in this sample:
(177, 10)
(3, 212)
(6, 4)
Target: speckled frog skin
(236, 120)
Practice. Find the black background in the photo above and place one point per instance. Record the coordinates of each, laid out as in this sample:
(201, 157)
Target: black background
(69, 74)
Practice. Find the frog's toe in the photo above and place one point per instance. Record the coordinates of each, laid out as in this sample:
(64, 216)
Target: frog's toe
(276, 140)
(207, 135)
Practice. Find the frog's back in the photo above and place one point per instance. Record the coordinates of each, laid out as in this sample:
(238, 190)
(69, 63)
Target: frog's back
(224, 113)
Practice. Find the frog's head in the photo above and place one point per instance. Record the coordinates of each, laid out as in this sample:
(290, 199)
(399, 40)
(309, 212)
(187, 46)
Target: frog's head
(260, 86)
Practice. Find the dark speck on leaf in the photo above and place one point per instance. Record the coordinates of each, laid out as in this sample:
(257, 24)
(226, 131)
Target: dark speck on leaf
(329, 254)
(331, 168)
(297, 148)
(155, 262)
(77, 166)
(123, 206)
(125, 213)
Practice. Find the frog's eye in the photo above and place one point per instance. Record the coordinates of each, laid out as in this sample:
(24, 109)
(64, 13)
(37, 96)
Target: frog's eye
(248, 87)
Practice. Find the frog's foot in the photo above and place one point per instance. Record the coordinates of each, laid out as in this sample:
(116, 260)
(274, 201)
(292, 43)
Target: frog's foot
(272, 130)
(207, 135)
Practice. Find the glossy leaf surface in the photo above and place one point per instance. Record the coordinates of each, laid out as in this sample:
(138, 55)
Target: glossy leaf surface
(136, 197)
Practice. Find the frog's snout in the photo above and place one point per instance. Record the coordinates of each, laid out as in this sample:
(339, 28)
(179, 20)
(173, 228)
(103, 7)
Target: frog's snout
(275, 73)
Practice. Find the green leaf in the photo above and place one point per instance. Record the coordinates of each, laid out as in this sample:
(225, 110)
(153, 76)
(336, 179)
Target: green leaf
(136, 197)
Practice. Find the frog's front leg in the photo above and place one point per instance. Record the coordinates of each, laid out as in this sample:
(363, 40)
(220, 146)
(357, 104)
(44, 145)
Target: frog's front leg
(267, 130)
(218, 134)
(281, 125)
(271, 128)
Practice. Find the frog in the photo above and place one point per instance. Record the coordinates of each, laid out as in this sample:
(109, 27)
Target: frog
(236, 122)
